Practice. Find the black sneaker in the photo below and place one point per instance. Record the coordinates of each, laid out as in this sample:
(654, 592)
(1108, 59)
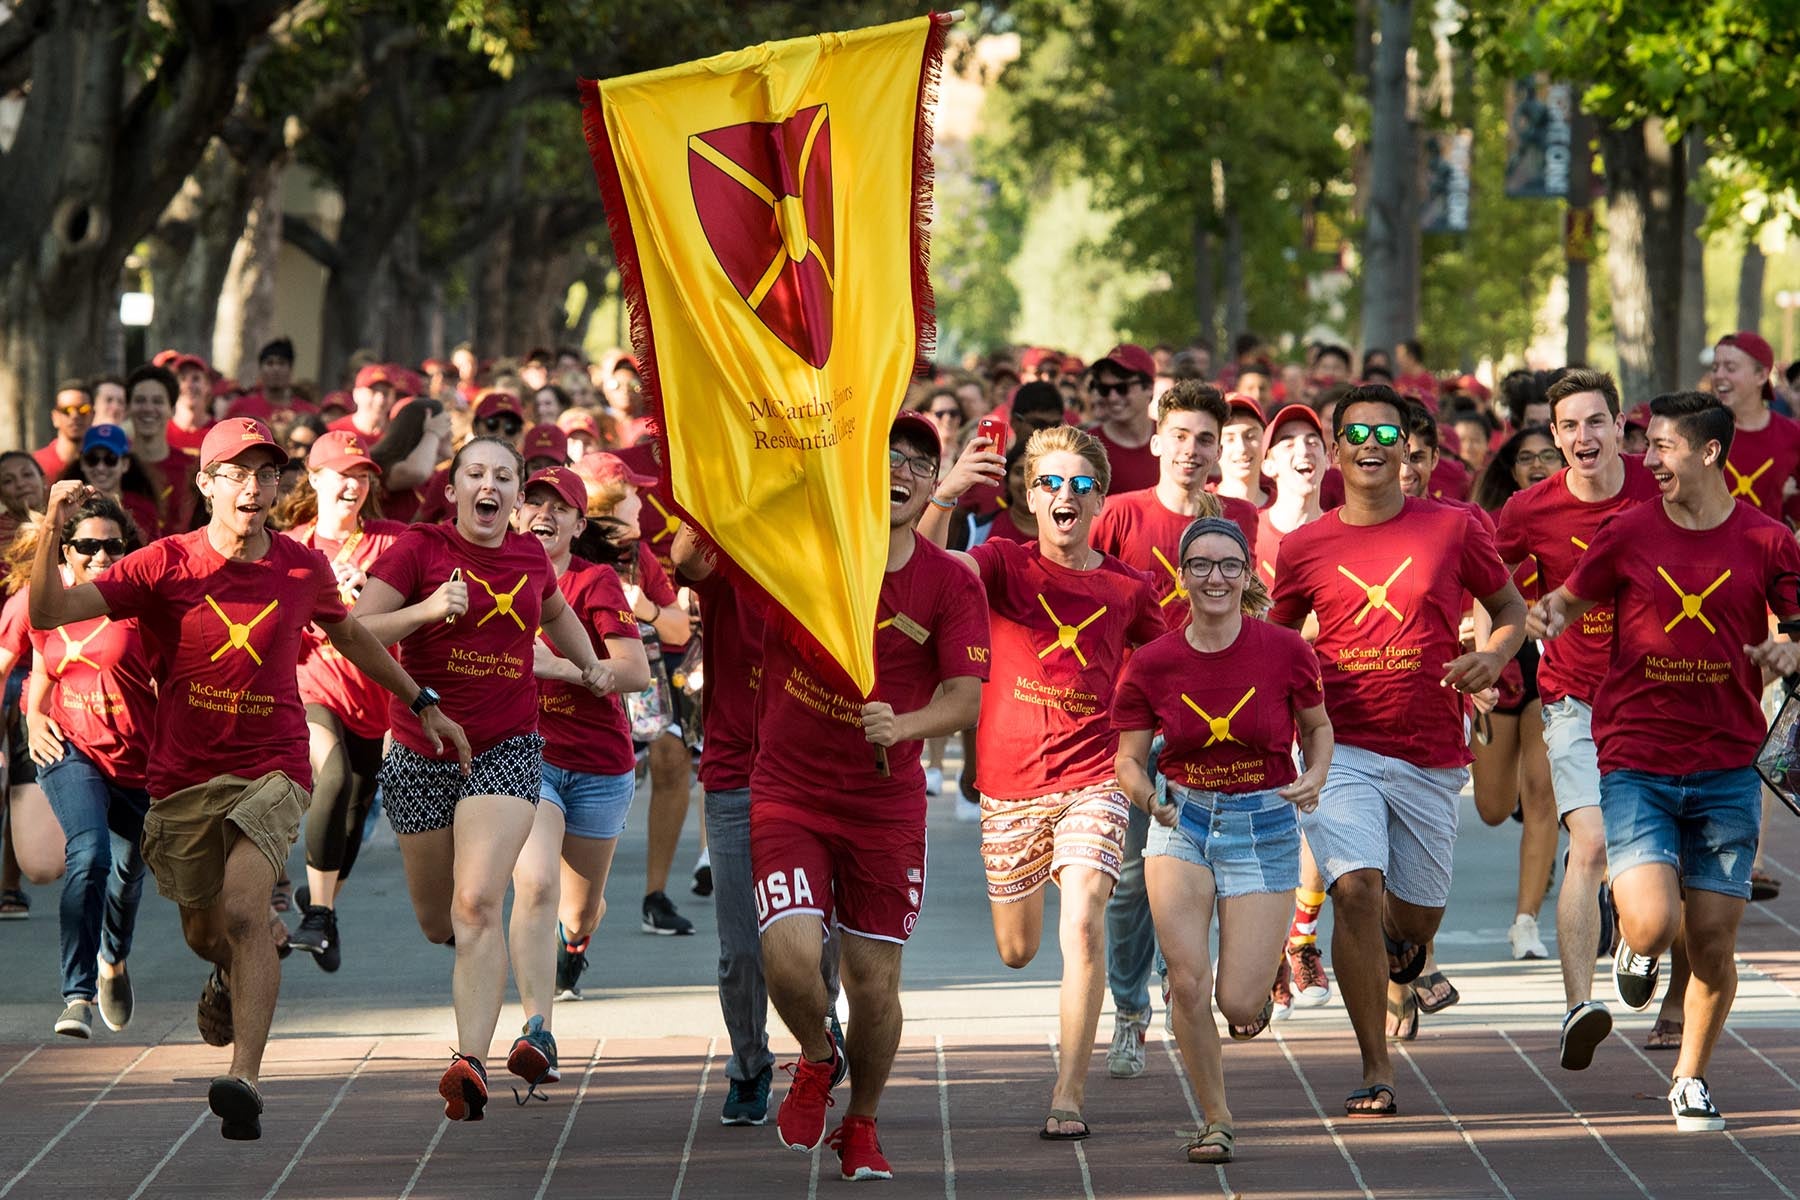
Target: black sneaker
(747, 1100)
(77, 1020)
(571, 961)
(318, 936)
(703, 883)
(1609, 922)
(661, 918)
(1583, 1029)
(1634, 977)
(1692, 1106)
(841, 1068)
(116, 1000)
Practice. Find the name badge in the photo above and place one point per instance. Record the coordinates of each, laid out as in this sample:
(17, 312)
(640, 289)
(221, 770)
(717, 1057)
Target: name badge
(911, 628)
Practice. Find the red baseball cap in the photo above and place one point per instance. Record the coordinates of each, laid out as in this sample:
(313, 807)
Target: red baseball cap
(1130, 358)
(1293, 412)
(499, 404)
(341, 401)
(545, 441)
(188, 362)
(1473, 386)
(602, 467)
(920, 429)
(1753, 344)
(1237, 402)
(1036, 356)
(567, 485)
(578, 420)
(341, 450)
(376, 373)
(235, 437)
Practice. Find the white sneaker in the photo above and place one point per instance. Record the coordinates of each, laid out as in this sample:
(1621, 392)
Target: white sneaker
(1126, 1058)
(968, 811)
(1692, 1106)
(1524, 938)
(934, 780)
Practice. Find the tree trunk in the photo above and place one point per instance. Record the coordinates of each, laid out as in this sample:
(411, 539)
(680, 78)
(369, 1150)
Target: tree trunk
(45, 339)
(1750, 284)
(1206, 304)
(1237, 309)
(1691, 334)
(1581, 187)
(246, 300)
(1392, 185)
(190, 251)
(1643, 203)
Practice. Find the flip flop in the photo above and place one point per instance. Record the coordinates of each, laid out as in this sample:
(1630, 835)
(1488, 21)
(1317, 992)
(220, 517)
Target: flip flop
(1386, 1109)
(1763, 886)
(1412, 959)
(1403, 1017)
(1425, 985)
(1217, 1137)
(1243, 1033)
(1664, 1035)
(1063, 1117)
(14, 905)
(239, 1107)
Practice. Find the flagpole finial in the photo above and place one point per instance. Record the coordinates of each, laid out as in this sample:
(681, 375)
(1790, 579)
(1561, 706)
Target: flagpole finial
(953, 16)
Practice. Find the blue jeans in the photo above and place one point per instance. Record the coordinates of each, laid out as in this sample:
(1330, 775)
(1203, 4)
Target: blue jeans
(101, 888)
(1130, 933)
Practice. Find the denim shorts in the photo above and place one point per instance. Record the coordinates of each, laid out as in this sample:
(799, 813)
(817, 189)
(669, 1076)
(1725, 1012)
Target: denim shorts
(593, 806)
(1704, 825)
(1250, 841)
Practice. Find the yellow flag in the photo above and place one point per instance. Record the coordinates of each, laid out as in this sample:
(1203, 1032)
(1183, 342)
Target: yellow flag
(767, 210)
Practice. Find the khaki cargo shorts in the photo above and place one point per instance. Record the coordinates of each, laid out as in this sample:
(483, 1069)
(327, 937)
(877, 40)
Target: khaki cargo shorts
(188, 835)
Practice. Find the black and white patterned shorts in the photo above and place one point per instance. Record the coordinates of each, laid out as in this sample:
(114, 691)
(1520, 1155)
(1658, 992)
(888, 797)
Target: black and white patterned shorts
(421, 794)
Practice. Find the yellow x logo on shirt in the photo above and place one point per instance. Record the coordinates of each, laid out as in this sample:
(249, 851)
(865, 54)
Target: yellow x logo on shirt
(1579, 544)
(503, 602)
(1745, 485)
(1180, 592)
(1067, 635)
(670, 523)
(1220, 726)
(1378, 594)
(1690, 605)
(237, 637)
(76, 651)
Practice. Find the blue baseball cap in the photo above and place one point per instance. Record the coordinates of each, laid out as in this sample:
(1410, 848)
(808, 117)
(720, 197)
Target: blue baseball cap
(109, 437)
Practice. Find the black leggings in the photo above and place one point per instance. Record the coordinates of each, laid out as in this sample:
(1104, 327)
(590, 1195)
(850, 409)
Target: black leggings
(343, 790)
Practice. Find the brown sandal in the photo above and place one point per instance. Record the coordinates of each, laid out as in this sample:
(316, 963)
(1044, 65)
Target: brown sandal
(213, 1017)
(1664, 1035)
(1244, 1033)
(1214, 1145)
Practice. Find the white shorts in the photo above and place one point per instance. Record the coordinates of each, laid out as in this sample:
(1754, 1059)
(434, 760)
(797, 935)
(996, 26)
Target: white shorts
(1574, 762)
(1388, 815)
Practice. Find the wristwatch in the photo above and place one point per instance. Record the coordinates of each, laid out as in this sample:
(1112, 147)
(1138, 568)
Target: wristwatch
(427, 698)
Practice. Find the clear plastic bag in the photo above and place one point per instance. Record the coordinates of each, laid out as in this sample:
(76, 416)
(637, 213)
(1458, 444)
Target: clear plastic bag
(1778, 759)
(652, 710)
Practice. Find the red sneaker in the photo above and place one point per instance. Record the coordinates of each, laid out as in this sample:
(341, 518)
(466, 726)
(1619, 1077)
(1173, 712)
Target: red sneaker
(464, 1088)
(1312, 987)
(801, 1118)
(859, 1150)
(1282, 994)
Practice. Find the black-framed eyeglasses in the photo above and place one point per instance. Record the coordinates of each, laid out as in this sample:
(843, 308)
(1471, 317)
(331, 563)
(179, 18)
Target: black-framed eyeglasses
(1103, 390)
(1228, 568)
(100, 458)
(921, 466)
(508, 425)
(1384, 435)
(1543, 458)
(1080, 485)
(266, 477)
(88, 547)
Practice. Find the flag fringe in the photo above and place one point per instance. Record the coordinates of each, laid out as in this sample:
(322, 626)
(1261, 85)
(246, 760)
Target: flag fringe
(924, 173)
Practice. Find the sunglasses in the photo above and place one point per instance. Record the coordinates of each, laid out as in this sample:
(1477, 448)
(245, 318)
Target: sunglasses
(75, 410)
(1385, 435)
(940, 413)
(510, 425)
(919, 465)
(1229, 568)
(1081, 485)
(88, 547)
(100, 458)
(1103, 390)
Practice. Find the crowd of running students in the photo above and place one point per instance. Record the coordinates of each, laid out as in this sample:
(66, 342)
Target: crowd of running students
(1218, 643)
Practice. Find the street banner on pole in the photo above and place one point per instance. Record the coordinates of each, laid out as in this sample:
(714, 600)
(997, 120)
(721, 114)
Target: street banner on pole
(768, 211)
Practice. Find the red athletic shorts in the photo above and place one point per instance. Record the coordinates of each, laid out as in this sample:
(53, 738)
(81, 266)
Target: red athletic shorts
(868, 877)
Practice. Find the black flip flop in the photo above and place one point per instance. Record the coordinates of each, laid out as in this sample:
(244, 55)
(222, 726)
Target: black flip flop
(1390, 1109)
(1062, 1117)
(1410, 969)
(1424, 985)
(239, 1108)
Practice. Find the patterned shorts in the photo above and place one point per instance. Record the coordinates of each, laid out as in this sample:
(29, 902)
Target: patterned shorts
(421, 794)
(1026, 843)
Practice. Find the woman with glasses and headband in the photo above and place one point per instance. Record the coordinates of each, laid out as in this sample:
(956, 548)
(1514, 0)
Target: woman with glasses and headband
(106, 465)
(1230, 694)
(1061, 616)
(464, 601)
(335, 510)
(1512, 760)
(91, 704)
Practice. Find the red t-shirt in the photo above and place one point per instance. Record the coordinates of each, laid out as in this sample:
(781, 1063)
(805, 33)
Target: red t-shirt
(144, 514)
(255, 404)
(1761, 461)
(479, 663)
(1389, 598)
(1266, 546)
(1549, 523)
(1003, 529)
(226, 637)
(1133, 467)
(811, 752)
(1143, 534)
(657, 521)
(584, 732)
(173, 479)
(182, 439)
(434, 504)
(732, 657)
(1228, 716)
(1059, 641)
(1680, 695)
(101, 693)
(51, 462)
(326, 677)
(15, 630)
